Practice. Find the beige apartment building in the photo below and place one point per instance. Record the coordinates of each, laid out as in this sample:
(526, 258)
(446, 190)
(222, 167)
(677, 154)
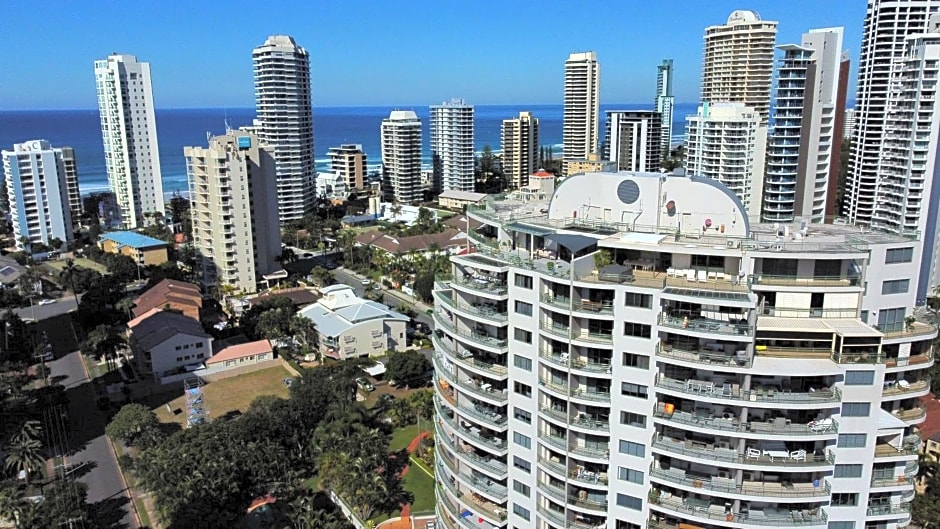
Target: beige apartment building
(582, 107)
(349, 163)
(233, 189)
(738, 61)
(520, 140)
(593, 163)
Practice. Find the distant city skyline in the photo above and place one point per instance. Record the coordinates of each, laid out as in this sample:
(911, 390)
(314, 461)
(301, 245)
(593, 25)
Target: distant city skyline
(488, 62)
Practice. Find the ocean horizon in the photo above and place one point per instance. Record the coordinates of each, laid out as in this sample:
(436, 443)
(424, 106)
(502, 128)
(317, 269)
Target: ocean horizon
(333, 126)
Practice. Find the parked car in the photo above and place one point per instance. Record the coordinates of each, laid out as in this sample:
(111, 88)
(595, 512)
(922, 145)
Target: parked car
(46, 301)
(364, 384)
(366, 282)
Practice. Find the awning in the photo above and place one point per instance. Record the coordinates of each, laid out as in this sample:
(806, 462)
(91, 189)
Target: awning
(538, 231)
(887, 421)
(573, 242)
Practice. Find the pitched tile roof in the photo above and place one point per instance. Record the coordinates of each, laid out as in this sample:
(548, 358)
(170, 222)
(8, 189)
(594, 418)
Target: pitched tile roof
(242, 350)
(448, 238)
(157, 326)
(168, 292)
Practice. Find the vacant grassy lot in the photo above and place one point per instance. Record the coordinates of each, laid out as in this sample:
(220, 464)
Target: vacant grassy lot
(231, 394)
(83, 262)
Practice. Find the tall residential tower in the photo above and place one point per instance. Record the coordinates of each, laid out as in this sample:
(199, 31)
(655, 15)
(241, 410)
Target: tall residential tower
(804, 149)
(884, 38)
(129, 133)
(582, 107)
(285, 115)
(665, 103)
(401, 156)
(234, 210)
(520, 146)
(738, 61)
(452, 146)
(633, 140)
(348, 162)
(40, 183)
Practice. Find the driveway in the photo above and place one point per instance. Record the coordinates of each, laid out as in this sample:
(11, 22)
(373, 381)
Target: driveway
(86, 439)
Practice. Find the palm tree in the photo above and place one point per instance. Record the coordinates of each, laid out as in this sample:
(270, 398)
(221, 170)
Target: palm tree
(396, 210)
(25, 455)
(31, 430)
(11, 504)
(347, 241)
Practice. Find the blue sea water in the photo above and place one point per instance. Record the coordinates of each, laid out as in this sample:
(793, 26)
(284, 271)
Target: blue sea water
(176, 128)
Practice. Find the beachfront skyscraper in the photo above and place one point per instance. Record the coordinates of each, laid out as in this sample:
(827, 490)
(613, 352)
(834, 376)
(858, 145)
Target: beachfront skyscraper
(908, 190)
(582, 107)
(738, 61)
(283, 105)
(803, 151)
(632, 352)
(848, 124)
(129, 133)
(884, 37)
(349, 163)
(452, 146)
(234, 210)
(633, 140)
(665, 103)
(401, 156)
(520, 146)
(727, 142)
(41, 182)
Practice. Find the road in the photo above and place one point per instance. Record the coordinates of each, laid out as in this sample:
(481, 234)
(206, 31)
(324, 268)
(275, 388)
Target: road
(87, 426)
(41, 312)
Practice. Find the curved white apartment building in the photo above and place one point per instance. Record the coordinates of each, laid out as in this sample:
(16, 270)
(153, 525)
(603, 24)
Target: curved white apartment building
(716, 373)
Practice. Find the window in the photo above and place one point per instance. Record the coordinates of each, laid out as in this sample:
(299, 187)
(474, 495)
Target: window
(899, 255)
(521, 511)
(522, 415)
(859, 378)
(639, 330)
(644, 301)
(895, 286)
(852, 440)
(856, 409)
(635, 360)
(632, 449)
(628, 474)
(521, 440)
(636, 420)
(521, 335)
(844, 499)
(522, 362)
(521, 488)
(522, 464)
(890, 320)
(841, 525)
(629, 502)
(630, 389)
(523, 281)
(847, 471)
(523, 308)
(523, 389)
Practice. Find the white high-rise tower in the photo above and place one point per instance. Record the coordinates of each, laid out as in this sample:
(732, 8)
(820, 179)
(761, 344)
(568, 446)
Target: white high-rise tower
(665, 102)
(282, 100)
(129, 133)
(452, 145)
(887, 25)
(401, 156)
(582, 107)
(804, 148)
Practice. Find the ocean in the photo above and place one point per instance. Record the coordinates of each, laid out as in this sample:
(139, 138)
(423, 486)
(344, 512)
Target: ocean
(176, 128)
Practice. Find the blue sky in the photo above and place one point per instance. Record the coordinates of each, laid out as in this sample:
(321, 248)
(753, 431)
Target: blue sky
(381, 52)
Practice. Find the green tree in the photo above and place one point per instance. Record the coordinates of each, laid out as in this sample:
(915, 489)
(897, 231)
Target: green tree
(424, 285)
(11, 504)
(132, 423)
(103, 341)
(407, 367)
(24, 454)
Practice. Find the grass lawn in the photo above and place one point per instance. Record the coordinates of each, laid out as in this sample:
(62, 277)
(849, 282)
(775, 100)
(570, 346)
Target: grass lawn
(83, 262)
(419, 483)
(402, 436)
(231, 394)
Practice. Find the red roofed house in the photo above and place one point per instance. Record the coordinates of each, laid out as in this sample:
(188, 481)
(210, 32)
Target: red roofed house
(448, 241)
(241, 355)
(171, 294)
(929, 430)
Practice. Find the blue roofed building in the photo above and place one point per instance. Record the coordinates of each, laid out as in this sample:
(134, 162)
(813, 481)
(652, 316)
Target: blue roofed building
(142, 249)
(351, 327)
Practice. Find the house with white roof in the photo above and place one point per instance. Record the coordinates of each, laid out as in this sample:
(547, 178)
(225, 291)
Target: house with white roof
(351, 327)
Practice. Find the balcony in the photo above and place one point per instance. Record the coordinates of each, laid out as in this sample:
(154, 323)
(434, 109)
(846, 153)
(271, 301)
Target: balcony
(705, 325)
(911, 416)
(747, 488)
(481, 310)
(708, 389)
(466, 359)
(811, 281)
(704, 356)
(767, 516)
(698, 450)
(883, 510)
(779, 426)
(482, 286)
(903, 387)
(555, 329)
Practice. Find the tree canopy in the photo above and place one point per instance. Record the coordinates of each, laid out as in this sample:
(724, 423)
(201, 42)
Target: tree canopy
(407, 367)
(132, 423)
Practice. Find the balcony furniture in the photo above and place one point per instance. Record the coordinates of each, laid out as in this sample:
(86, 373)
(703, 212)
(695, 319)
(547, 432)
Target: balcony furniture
(753, 453)
(702, 276)
(671, 272)
(823, 425)
(798, 455)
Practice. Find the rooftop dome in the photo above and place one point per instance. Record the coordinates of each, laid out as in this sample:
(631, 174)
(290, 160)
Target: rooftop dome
(743, 15)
